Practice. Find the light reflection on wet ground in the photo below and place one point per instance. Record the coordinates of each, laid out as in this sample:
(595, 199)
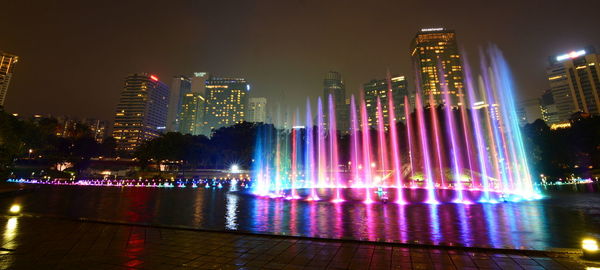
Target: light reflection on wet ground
(56, 243)
(560, 220)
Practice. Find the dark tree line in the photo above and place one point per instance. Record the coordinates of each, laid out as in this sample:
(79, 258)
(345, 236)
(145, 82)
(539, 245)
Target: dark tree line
(227, 145)
(564, 152)
(26, 140)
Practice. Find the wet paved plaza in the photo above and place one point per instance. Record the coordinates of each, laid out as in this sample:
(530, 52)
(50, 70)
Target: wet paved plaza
(50, 243)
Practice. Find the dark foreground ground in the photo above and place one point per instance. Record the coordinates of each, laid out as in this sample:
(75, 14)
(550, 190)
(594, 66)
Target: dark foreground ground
(50, 243)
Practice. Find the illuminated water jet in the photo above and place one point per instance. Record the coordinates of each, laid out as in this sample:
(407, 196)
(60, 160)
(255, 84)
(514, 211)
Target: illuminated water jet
(454, 152)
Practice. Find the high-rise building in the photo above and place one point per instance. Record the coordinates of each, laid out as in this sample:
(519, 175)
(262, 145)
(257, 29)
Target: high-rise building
(548, 108)
(226, 102)
(180, 87)
(334, 85)
(7, 68)
(434, 52)
(199, 82)
(529, 110)
(493, 110)
(574, 83)
(67, 126)
(142, 111)
(192, 114)
(97, 127)
(257, 110)
(379, 89)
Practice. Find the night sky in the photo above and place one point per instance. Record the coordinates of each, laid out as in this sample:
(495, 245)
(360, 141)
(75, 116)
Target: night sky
(75, 54)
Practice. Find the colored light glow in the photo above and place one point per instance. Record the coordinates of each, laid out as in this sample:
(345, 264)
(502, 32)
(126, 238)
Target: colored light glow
(589, 245)
(475, 156)
(15, 209)
(154, 78)
(432, 29)
(560, 126)
(304, 163)
(571, 55)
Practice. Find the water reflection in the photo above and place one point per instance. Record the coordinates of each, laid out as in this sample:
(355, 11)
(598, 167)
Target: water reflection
(135, 247)
(232, 208)
(558, 221)
(502, 225)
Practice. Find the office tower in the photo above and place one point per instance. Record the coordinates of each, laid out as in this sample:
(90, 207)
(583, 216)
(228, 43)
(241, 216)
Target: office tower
(529, 110)
(257, 110)
(334, 85)
(7, 68)
(97, 127)
(226, 102)
(548, 108)
(493, 110)
(199, 82)
(574, 83)
(191, 115)
(142, 111)
(379, 89)
(434, 51)
(67, 126)
(180, 87)
(72, 127)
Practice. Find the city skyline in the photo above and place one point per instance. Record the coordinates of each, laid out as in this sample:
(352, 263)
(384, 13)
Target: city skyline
(300, 134)
(285, 61)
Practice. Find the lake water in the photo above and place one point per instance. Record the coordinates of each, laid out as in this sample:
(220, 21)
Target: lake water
(560, 220)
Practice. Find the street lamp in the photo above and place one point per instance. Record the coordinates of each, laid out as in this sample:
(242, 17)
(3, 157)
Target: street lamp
(15, 209)
(234, 168)
(590, 249)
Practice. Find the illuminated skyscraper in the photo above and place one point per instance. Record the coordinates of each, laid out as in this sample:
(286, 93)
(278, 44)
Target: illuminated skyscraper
(180, 87)
(192, 114)
(334, 85)
(226, 102)
(493, 110)
(432, 49)
(97, 127)
(199, 82)
(529, 110)
(548, 107)
(7, 68)
(574, 83)
(379, 89)
(257, 110)
(142, 111)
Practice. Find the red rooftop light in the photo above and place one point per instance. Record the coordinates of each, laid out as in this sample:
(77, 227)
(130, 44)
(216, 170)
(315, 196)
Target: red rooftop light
(154, 78)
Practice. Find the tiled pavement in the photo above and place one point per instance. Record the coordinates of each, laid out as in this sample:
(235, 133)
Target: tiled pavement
(46, 243)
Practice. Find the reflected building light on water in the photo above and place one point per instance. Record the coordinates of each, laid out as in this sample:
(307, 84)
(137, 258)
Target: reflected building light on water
(464, 226)
(198, 216)
(402, 223)
(434, 221)
(490, 225)
(231, 215)
(490, 216)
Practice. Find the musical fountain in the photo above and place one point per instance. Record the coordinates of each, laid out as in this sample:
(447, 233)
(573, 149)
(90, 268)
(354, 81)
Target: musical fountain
(443, 153)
